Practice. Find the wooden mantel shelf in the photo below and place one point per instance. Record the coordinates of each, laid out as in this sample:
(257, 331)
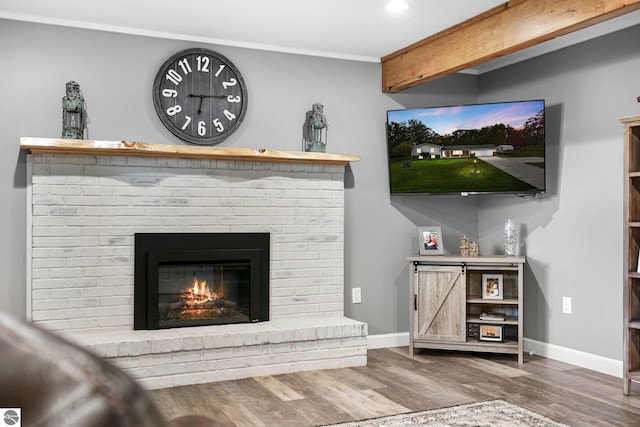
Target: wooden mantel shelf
(132, 148)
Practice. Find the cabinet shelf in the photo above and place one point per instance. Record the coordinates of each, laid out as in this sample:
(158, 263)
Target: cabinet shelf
(511, 344)
(634, 324)
(478, 300)
(634, 376)
(507, 321)
(446, 302)
(507, 347)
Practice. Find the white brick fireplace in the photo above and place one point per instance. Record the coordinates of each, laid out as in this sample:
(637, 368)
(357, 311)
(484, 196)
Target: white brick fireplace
(87, 199)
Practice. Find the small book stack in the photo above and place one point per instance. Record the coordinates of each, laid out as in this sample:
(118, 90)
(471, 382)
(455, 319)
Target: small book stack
(493, 317)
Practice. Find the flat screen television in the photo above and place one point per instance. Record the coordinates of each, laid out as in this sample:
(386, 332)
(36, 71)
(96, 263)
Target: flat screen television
(468, 149)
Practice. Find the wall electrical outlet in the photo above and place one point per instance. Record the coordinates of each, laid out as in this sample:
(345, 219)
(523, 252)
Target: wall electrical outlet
(356, 295)
(566, 305)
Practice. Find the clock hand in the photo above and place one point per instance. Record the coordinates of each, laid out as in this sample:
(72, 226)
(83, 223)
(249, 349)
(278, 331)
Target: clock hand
(202, 96)
(200, 106)
(206, 96)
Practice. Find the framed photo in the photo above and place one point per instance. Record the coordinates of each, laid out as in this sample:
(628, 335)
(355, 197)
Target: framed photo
(490, 333)
(430, 240)
(492, 286)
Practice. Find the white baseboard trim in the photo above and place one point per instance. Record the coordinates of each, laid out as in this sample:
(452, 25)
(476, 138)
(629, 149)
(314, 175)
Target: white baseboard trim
(400, 339)
(594, 362)
(590, 361)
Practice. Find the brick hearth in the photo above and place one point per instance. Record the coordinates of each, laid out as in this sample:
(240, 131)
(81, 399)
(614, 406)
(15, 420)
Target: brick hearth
(85, 209)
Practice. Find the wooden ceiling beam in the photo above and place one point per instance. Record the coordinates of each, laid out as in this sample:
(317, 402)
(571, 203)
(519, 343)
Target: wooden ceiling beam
(508, 28)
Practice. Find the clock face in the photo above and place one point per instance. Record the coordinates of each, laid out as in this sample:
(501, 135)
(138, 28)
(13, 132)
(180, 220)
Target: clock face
(200, 96)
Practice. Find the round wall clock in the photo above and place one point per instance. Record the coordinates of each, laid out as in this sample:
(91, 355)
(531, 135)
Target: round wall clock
(200, 96)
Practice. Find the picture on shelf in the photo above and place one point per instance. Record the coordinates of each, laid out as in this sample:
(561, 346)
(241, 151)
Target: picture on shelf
(430, 240)
(490, 333)
(492, 286)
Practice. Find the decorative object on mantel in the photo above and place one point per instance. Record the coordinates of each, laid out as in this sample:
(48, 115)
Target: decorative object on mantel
(200, 96)
(464, 246)
(73, 112)
(468, 248)
(510, 239)
(474, 249)
(132, 148)
(318, 127)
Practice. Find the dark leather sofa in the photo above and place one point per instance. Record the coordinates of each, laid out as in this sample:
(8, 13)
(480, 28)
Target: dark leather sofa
(56, 383)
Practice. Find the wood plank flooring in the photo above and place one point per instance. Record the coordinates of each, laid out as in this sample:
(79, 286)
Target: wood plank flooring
(393, 382)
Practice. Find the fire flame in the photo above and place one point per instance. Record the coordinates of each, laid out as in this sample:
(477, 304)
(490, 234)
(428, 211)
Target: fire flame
(199, 293)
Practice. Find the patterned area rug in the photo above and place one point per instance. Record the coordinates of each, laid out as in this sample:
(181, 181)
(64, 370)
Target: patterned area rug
(496, 413)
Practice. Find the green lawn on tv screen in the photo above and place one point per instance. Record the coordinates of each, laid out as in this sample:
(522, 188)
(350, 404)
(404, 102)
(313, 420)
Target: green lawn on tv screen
(451, 176)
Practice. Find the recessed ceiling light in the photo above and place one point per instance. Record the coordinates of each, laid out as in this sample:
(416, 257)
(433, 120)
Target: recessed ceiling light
(397, 6)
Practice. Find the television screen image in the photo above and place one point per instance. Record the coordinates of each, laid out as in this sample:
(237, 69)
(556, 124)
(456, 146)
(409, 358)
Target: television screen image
(468, 149)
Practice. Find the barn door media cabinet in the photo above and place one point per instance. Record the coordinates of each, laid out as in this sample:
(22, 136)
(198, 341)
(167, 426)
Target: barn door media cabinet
(454, 305)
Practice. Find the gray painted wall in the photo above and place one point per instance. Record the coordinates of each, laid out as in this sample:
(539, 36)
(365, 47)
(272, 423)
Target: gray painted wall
(573, 235)
(587, 87)
(116, 72)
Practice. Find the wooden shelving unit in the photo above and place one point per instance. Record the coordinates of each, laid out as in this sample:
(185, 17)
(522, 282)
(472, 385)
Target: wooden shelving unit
(631, 283)
(446, 302)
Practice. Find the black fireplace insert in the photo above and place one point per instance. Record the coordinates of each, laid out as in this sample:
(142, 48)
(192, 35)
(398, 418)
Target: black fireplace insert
(195, 279)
